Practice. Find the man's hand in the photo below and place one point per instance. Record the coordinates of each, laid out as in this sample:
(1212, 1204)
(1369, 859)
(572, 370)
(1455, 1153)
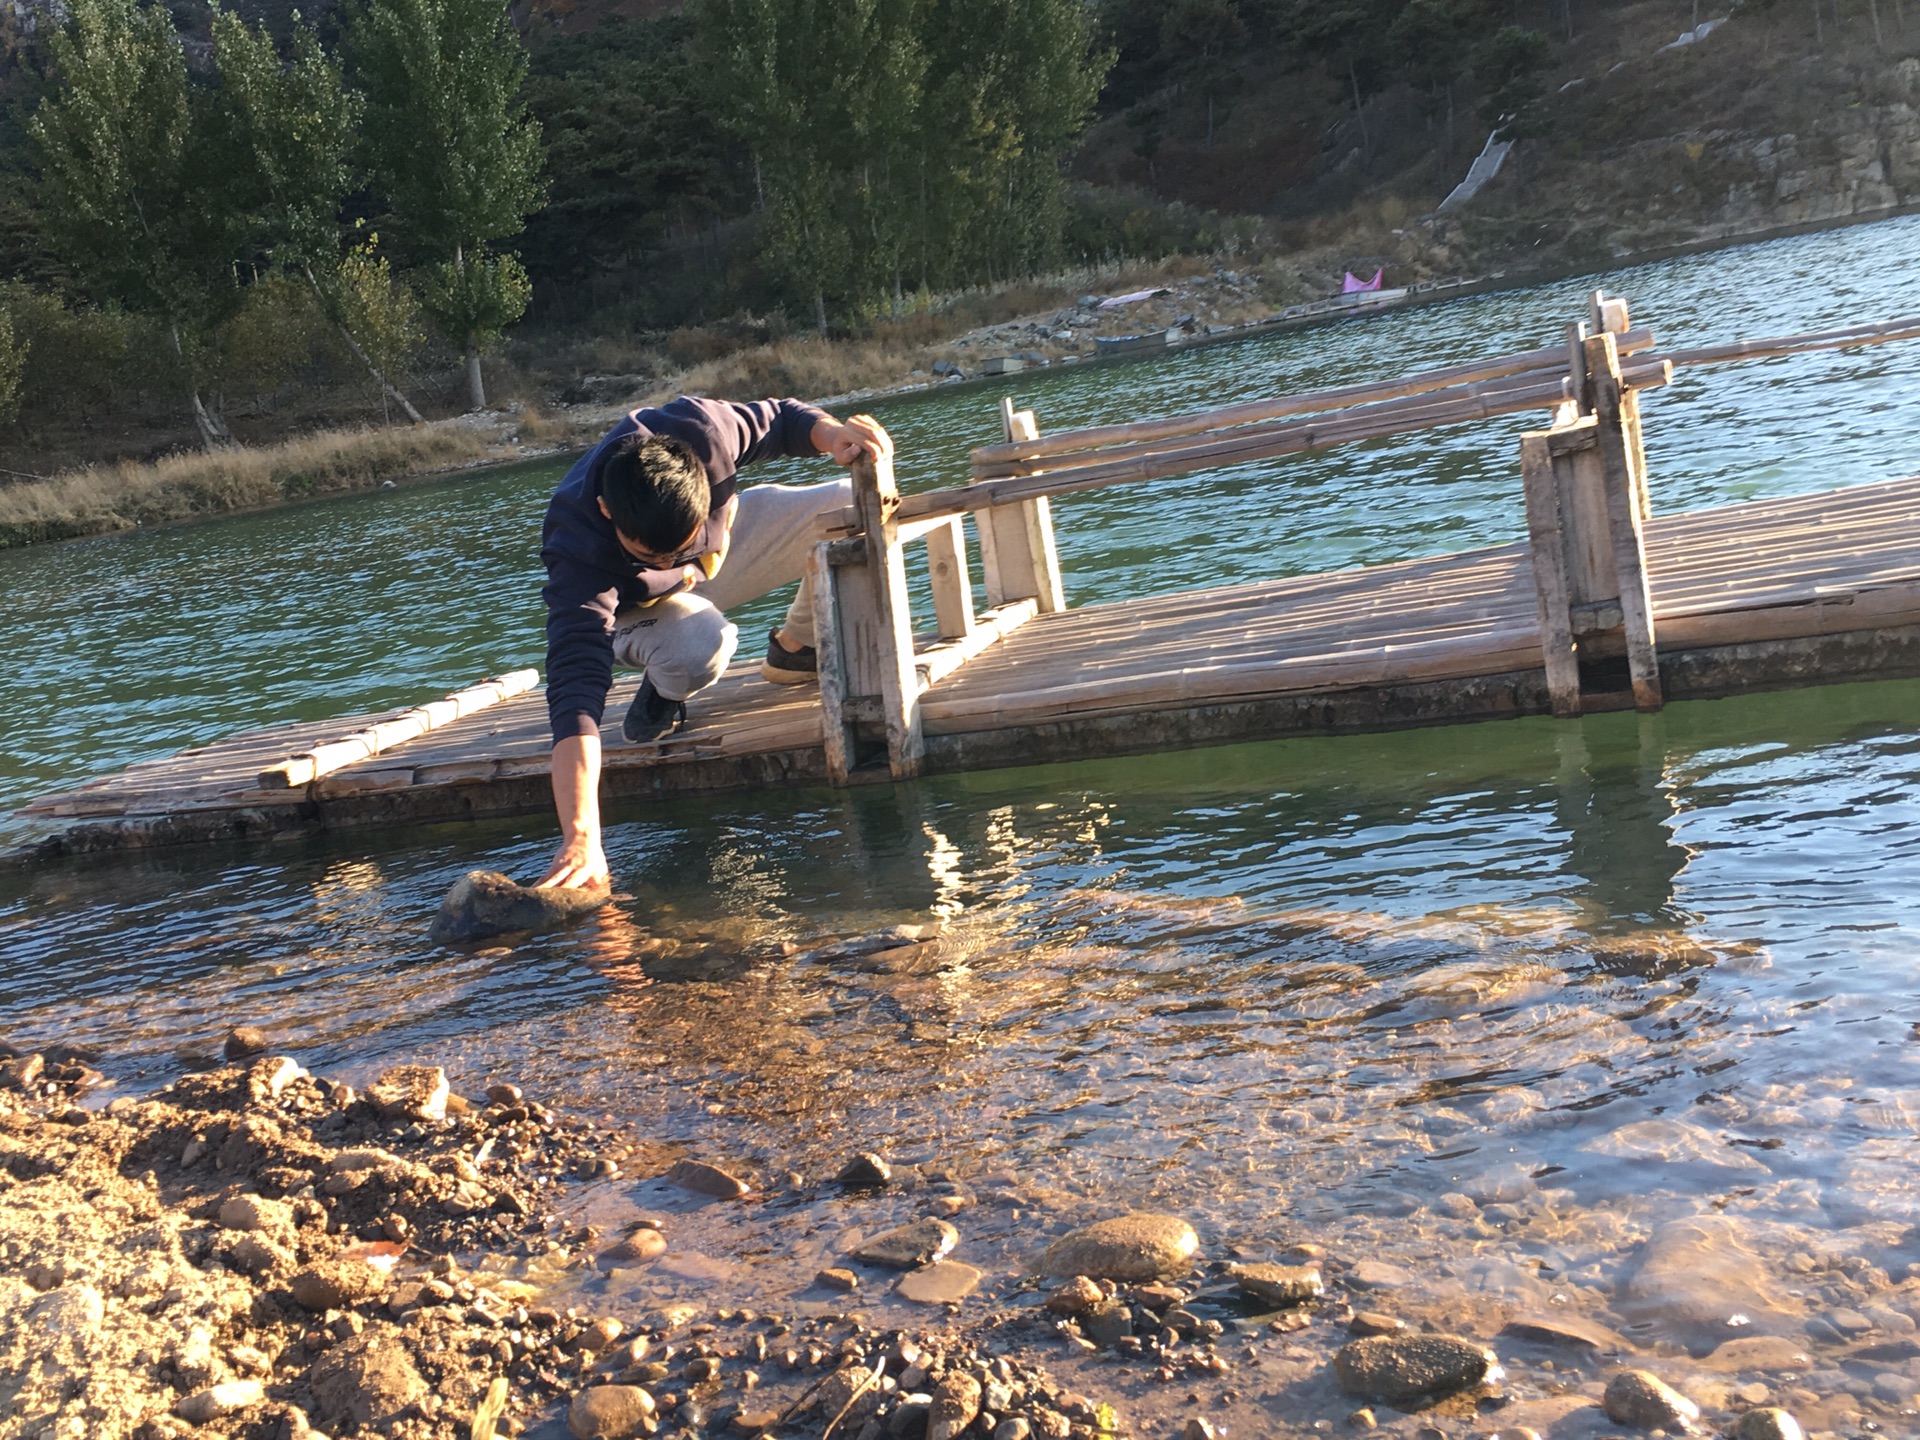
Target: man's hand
(846, 443)
(579, 863)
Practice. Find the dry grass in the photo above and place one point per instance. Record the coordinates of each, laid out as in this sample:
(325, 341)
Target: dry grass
(103, 498)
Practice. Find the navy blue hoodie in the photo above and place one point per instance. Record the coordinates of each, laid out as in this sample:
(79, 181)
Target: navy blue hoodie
(589, 575)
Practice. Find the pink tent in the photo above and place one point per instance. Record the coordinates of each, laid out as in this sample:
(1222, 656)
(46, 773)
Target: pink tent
(1354, 285)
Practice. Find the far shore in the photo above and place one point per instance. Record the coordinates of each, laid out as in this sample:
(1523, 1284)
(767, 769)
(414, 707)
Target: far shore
(106, 499)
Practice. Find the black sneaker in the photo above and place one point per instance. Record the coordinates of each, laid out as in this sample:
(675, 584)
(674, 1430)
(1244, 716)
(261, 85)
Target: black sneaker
(652, 716)
(789, 667)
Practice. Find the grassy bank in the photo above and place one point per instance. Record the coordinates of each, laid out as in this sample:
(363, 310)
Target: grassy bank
(104, 498)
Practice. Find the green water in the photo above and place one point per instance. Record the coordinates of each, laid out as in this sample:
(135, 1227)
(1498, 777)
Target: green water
(1495, 1003)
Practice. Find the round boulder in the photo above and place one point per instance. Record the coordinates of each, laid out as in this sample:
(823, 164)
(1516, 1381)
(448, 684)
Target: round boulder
(1126, 1248)
(610, 1412)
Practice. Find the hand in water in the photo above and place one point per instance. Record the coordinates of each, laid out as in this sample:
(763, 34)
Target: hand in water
(578, 865)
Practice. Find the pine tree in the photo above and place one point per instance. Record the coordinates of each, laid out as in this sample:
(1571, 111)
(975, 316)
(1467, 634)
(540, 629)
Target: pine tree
(131, 200)
(454, 156)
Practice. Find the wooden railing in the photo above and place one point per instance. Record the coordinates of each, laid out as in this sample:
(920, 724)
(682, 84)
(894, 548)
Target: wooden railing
(1584, 480)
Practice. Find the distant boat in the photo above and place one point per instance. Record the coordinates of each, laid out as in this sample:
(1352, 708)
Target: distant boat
(1127, 344)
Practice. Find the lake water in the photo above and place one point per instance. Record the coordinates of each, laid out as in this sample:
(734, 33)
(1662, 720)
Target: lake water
(1615, 1018)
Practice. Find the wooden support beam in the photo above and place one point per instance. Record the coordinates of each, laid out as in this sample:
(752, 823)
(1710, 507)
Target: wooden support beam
(324, 759)
(866, 635)
(1546, 540)
(837, 738)
(1018, 558)
(937, 662)
(950, 578)
(1624, 488)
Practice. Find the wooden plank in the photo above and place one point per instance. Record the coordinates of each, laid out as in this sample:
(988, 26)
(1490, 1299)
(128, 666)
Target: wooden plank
(1624, 516)
(1334, 398)
(950, 578)
(1550, 573)
(877, 498)
(835, 733)
(939, 661)
(323, 759)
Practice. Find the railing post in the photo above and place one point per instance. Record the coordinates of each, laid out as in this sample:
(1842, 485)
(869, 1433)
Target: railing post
(1584, 486)
(865, 636)
(1018, 559)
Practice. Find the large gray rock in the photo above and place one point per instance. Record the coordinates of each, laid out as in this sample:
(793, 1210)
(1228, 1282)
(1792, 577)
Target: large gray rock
(485, 903)
(1406, 1369)
(1125, 1248)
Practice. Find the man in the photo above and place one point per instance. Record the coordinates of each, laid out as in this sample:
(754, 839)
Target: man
(647, 543)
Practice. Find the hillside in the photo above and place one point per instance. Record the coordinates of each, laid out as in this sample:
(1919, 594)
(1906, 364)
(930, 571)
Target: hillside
(1291, 139)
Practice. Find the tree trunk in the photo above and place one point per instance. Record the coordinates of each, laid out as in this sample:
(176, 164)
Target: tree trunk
(476, 392)
(820, 313)
(213, 430)
(387, 390)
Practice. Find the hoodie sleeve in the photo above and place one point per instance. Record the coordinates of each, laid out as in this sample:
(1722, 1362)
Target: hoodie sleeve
(580, 605)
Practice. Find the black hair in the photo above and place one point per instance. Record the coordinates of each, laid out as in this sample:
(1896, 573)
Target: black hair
(657, 491)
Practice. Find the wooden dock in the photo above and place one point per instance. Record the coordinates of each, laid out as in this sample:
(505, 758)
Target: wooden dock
(1604, 606)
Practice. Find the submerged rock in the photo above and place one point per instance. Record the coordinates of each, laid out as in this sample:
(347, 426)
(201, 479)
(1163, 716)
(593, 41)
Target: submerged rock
(1569, 1331)
(485, 903)
(1278, 1284)
(1699, 1282)
(1770, 1423)
(1126, 1248)
(1643, 1400)
(921, 1243)
(705, 1179)
(1406, 1369)
(941, 1283)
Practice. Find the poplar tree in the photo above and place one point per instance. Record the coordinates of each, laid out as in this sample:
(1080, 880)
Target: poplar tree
(454, 156)
(132, 202)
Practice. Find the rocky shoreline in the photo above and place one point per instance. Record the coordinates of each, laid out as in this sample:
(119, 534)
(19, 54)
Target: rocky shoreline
(254, 1251)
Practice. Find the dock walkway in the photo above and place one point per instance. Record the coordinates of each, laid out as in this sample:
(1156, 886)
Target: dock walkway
(1765, 594)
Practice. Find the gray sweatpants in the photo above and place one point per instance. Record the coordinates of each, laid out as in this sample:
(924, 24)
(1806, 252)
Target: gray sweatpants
(685, 641)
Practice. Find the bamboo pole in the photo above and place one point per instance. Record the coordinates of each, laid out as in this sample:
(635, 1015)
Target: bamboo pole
(310, 765)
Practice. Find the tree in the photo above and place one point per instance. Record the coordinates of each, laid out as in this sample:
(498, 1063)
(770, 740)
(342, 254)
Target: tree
(290, 129)
(135, 202)
(1198, 36)
(1431, 42)
(454, 156)
(13, 367)
(381, 313)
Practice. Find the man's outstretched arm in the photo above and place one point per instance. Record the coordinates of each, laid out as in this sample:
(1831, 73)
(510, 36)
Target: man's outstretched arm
(580, 863)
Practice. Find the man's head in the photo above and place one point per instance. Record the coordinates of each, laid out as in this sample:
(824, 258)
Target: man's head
(655, 491)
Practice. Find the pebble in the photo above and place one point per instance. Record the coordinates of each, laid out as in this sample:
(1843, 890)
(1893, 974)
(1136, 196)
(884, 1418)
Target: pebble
(1278, 1285)
(1373, 1322)
(1363, 1420)
(956, 1401)
(609, 1412)
(1076, 1297)
(640, 1248)
(485, 903)
(411, 1092)
(1769, 1423)
(219, 1401)
(945, 1282)
(366, 1381)
(1014, 1427)
(835, 1277)
(503, 1094)
(21, 1073)
(1107, 1323)
(1643, 1400)
(1126, 1248)
(839, 1390)
(1400, 1369)
(336, 1284)
(1197, 1428)
(865, 1172)
(244, 1040)
(705, 1179)
(752, 1422)
(920, 1243)
(599, 1335)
